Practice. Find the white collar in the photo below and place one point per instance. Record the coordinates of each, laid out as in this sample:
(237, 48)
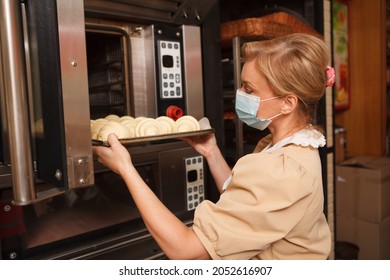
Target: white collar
(306, 137)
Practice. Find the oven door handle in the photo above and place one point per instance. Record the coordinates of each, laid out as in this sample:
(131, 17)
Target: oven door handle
(16, 101)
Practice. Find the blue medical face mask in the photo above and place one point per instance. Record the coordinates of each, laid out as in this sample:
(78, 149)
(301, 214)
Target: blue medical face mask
(246, 108)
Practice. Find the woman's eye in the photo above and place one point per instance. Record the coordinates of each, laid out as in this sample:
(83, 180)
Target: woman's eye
(246, 90)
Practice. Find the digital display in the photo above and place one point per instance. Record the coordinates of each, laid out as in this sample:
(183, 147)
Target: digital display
(192, 176)
(167, 61)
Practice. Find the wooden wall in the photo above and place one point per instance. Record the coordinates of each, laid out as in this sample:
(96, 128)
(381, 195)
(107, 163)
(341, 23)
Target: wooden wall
(365, 120)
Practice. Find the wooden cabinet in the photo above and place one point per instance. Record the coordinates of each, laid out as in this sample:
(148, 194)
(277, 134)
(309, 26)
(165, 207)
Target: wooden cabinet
(366, 119)
(388, 76)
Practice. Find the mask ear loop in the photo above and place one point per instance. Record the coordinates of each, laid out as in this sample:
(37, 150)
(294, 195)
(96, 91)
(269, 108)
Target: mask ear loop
(277, 115)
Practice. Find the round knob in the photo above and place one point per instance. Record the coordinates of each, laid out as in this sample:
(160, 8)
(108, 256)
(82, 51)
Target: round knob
(174, 112)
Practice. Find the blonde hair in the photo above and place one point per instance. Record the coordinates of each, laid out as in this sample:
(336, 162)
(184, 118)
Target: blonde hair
(293, 64)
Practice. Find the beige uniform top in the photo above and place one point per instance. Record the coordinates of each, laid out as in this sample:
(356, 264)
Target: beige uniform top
(271, 209)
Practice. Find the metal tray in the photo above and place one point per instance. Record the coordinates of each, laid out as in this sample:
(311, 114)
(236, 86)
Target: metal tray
(161, 137)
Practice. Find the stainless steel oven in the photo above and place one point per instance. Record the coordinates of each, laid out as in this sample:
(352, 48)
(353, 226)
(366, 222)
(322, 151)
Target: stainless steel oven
(64, 63)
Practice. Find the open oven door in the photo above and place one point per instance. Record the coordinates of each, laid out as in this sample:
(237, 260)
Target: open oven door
(48, 109)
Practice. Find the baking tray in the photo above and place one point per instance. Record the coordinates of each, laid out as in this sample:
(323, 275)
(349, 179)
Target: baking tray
(161, 137)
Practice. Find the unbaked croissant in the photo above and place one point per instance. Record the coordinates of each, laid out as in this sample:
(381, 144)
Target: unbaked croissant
(167, 124)
(147, 127)
(187, 123)
(119, 129)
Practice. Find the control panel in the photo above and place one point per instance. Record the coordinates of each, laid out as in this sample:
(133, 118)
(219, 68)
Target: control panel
(194, 181)
(170, 69)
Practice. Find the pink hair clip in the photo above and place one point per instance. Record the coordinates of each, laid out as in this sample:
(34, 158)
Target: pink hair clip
(330, 76)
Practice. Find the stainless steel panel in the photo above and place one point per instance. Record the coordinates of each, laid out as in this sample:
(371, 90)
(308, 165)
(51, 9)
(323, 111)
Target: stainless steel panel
(74, 77)
(14, 72)
(127, 10)
(193, 71)
(189, 12)
(143, 72)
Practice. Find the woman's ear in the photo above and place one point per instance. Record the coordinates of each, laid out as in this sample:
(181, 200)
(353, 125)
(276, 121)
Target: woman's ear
(290, 103)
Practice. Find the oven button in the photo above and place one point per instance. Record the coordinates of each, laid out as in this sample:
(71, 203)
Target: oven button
(195, 181)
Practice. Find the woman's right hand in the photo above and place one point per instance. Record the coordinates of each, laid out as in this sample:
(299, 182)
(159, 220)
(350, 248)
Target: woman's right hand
(116, 157)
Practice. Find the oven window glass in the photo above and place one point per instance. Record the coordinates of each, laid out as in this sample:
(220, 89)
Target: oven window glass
(106, 74)
(93, 210)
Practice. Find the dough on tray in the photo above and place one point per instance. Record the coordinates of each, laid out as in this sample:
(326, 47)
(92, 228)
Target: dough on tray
(131, 125)
(187, 123)
(112, 117)
(125, 119)
(119, 129)
(128, 127)
(147, 127)
(96, 125)
(167, 124)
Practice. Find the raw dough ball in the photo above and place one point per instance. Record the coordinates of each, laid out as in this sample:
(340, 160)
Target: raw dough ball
(125, 118)
(96, 125)
(167, 124)
(119, 129)
(139, 119)
(187, 123)
(112, 117)
(147, 127)
(131, 125)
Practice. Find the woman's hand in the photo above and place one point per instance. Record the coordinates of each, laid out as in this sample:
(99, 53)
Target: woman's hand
(205, 145)
(116, 157)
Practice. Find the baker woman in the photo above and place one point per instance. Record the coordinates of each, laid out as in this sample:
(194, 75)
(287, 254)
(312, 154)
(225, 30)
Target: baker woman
(271, 202)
